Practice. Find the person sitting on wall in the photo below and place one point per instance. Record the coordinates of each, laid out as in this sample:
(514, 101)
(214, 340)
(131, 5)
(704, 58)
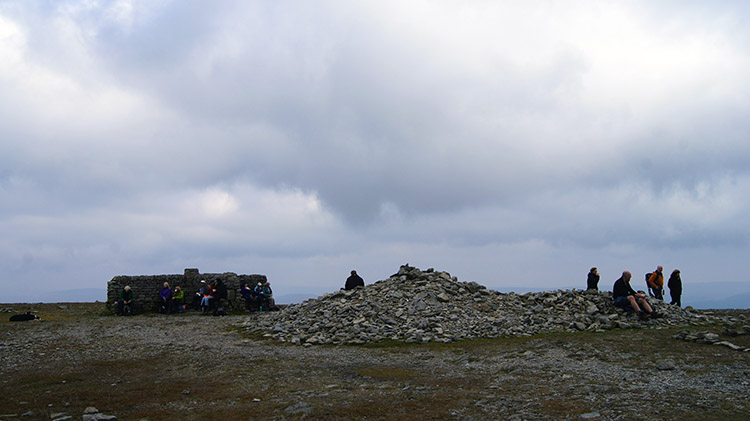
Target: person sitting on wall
(263, 294)
(354, 281)
(208, 295)
(199, 296)
(125, 306)
(220, 298)
(268, 293)
(178, 300)
(251, 301)
(626, 298)
(165, 297)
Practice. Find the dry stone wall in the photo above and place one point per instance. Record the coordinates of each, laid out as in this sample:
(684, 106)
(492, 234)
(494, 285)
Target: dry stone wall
(146, 287)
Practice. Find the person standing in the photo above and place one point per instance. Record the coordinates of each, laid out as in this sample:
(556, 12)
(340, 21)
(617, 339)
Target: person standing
(593, 279)
(354, 281)
(675, 287)
(655, 283)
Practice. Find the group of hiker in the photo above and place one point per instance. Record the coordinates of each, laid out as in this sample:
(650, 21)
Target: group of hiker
(259, 298)
(210, 298)
(626, 297)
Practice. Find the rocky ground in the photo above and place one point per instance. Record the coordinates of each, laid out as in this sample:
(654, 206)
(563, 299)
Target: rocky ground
(202, 367)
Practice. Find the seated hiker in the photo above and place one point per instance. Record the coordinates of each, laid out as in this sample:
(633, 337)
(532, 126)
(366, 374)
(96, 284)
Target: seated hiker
(178, 300)
(354, 281)
(220, 298)
(655, 283)
(268, 294)
(198, 296)
(264, 295)
(626, 298)
(165, 299)
(125, 306)
(251, 301)
(208, 295)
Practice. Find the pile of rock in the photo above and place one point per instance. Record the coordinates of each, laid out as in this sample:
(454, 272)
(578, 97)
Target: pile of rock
(709, 338)
(430, 306)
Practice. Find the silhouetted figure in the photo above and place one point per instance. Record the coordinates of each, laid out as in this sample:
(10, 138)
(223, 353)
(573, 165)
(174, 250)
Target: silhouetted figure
(675, 287)
(354, 281)
(593, 280)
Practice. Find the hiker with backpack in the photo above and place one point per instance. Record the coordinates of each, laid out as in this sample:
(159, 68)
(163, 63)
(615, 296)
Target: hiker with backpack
(655, 283)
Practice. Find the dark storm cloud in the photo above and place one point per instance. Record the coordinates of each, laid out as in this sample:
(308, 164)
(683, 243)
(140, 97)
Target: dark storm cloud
(320, 133)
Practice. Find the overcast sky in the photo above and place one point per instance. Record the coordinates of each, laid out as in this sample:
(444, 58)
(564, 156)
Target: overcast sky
(511, 143)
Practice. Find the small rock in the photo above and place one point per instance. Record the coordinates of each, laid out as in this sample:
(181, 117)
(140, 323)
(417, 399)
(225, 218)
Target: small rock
(666, 365)
(729, 344)
(299, 408)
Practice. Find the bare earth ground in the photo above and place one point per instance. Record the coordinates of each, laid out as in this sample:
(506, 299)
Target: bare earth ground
(202, 367)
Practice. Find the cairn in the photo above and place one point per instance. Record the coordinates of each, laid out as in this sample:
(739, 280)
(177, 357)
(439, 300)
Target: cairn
(431, 306)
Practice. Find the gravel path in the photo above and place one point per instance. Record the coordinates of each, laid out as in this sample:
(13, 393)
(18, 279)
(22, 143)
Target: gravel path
(635, 374)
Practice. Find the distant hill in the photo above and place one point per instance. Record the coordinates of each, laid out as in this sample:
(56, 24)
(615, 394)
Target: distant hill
(702, 295)
(80, 295)
(735, 301)
(293, 298)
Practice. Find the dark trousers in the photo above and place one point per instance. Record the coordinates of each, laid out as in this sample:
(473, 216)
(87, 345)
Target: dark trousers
(676, 298)
(166, 306)
(121, 306)
(176, 307)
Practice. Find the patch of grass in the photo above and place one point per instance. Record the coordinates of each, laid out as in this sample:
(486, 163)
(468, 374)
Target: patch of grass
(387, 373)
(53, 311)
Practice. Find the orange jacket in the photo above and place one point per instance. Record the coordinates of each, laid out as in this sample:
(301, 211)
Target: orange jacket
(656, 280)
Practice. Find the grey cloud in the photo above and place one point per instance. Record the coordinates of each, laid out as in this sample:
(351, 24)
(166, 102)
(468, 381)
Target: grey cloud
(414, 143)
